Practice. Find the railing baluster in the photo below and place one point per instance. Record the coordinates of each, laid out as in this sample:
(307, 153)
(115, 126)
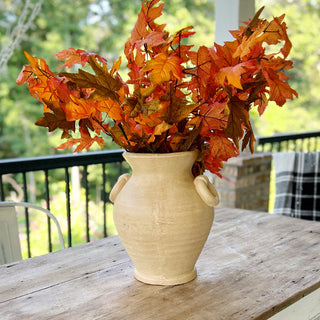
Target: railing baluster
(68, 206)
(296, 141)
(104, 198)
(86, 185)
(46, 174)
(291, 146)
(26, 212)
(120, 168)
(309, 145)
(1, 188)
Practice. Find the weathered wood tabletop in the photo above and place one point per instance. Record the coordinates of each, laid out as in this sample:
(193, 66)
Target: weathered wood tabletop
(253, 265)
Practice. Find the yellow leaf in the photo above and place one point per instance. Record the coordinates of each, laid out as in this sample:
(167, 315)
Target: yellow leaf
(233, 75)
(162, 127)
(163, 67)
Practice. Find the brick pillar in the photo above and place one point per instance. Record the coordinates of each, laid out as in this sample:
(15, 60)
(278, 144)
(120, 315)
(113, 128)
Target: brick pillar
(245, 183)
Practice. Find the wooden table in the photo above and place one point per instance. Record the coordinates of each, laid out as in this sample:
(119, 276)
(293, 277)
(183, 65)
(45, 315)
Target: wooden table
(253, 265)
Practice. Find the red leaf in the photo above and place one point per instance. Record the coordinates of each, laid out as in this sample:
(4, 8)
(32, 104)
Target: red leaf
(73, 56)
(221, 147)
(155, 38)
(183, 33)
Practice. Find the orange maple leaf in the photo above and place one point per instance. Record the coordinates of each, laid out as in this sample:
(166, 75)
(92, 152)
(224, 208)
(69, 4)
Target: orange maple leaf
(163, 67)
(43, 84)
(73, 56)
(162, 127)
(115, 66)
(152, 12)
(280, 90)
(154, 38)
(213, 117)
(140, 29)
(221, 147)
(78, 109)
(25, 75)
(203, 62)
(261, 102)
(111, 107)
(183, 33)
(85, 141)
(233, 73)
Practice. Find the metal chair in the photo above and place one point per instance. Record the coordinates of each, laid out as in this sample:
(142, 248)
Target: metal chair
(10, 249)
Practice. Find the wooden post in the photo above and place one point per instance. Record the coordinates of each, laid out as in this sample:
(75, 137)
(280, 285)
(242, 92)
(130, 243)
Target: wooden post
(229, 15)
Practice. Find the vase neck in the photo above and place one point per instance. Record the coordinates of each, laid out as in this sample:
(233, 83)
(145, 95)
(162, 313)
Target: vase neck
(176, 163)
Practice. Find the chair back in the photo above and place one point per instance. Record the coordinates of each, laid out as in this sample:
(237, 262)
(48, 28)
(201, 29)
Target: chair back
(10, 249)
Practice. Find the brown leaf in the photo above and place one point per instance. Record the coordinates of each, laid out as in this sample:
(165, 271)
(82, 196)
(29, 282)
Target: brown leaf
(105, 85)
(238, 120)
(178, 107)
(56, 119)
(253, 22)
(248, 139)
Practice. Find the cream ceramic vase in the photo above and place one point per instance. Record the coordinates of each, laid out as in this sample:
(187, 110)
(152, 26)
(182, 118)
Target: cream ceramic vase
(163, 215)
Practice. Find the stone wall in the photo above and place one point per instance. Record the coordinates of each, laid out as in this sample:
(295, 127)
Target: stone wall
(246, 181)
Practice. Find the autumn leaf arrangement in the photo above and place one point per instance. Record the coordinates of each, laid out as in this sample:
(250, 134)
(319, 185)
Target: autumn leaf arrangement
(175, 99)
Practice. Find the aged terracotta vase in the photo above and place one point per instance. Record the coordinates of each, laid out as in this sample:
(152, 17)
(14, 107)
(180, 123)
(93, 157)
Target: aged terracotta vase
(163, 215)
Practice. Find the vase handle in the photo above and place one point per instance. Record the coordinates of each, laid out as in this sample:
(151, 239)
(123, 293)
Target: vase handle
(122, 180)
(206, 191)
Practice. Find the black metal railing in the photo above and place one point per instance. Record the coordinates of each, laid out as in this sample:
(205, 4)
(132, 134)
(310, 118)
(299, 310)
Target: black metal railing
(301, 142)
(106, 166)
(33, 180)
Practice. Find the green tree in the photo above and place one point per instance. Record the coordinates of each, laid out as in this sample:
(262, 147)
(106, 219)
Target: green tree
(100, 26)
(302, 114)
(53, 30)
(103, 26)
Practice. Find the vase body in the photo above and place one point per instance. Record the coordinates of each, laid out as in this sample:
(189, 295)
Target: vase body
(161, 220)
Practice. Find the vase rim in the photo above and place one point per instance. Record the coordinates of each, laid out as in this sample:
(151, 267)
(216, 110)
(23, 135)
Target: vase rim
(159, 155)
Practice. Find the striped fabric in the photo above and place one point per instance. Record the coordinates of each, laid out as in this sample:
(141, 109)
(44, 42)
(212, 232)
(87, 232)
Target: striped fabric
(297, 184)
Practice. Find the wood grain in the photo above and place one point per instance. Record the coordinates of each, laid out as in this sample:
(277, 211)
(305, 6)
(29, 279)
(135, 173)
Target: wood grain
(253, 265)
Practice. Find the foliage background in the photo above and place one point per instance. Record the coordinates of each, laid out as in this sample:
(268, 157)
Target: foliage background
(103, 26)
(303, 114)
(95, 25)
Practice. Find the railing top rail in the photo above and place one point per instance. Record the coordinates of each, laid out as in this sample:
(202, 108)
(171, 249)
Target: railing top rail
(288, 136)
(15, 165)
(18, 165)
